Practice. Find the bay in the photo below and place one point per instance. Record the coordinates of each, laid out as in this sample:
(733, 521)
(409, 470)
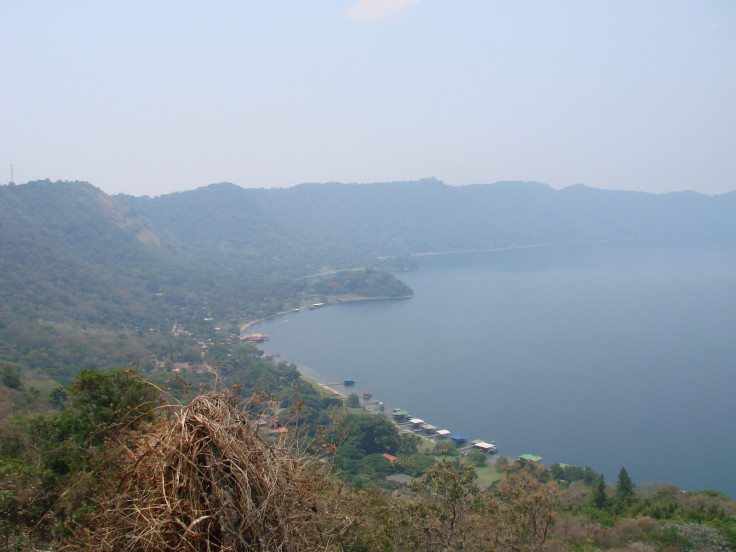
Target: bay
(604, 354)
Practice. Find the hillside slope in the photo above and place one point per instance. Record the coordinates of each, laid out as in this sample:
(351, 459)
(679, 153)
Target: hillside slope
(344, 224)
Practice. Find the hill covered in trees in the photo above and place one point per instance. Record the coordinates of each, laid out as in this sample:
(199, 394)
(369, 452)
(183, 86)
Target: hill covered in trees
(351, 225)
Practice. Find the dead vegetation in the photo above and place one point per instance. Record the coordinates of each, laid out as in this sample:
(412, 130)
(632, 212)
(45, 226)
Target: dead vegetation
(202, 479)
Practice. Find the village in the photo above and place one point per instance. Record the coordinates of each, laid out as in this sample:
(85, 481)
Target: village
(417, 426)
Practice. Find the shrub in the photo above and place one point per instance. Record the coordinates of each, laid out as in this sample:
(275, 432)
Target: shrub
(204, 480)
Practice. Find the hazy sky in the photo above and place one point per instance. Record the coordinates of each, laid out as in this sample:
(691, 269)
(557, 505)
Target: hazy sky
(154, 97)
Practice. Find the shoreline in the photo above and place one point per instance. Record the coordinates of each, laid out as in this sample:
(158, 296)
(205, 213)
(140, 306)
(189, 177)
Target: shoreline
(327, 304)
(344, 395)
(394, 396)
(527, 246)
(427, 254)
(377, 412)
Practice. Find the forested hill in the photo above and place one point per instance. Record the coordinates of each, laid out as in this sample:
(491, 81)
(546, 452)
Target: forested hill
(63, 244)
(344, 224)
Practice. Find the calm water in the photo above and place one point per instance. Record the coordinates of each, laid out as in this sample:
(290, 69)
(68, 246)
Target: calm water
(608, 355)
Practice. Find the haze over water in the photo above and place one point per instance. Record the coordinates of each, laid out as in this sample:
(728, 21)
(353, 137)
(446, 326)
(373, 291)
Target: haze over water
(605, 354)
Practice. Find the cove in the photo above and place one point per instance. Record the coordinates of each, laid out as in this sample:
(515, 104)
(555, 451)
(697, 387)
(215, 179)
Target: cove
(604, 354)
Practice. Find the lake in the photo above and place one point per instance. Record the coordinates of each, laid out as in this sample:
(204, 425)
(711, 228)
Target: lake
(604, 354)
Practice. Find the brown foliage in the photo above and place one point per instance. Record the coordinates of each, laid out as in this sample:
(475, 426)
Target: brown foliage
(523, 509)
(449, 512)
(203, 480)
(624, 530)
(441, 514)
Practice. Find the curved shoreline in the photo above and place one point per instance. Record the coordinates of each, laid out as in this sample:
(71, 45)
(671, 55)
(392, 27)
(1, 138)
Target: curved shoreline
(527, 246)
(429, 254)
(327, 304)
(399, 397)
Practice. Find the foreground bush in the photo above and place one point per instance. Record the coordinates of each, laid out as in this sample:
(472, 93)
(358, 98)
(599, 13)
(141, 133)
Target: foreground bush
(204, 480)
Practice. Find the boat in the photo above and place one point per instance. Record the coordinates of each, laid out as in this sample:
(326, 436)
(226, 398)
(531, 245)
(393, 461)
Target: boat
(367, 395)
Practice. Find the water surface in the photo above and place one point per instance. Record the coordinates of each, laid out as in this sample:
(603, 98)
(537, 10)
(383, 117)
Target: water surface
(605, 354)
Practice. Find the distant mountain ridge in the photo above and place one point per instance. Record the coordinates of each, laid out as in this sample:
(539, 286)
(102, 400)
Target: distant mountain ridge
(350, 223)
(297, 231)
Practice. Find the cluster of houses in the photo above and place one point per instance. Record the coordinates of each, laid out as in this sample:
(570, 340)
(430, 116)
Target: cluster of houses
(419, 427)
(424, 429)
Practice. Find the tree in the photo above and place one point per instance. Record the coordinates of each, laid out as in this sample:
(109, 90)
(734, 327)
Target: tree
(372, 524)
(100, 405)
(57, 397)
(408, 443)
(416, 464)
(599, 494)
(9, 376)
(624, 489)
(370, 434)
(521, 513)
(376, 465)
(477, 457)
(450, 512)
(104, 401)
(441, 517)
(352, 401)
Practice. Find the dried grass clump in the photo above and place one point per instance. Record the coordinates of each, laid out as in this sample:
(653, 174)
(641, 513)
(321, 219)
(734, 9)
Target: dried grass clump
(204, 480)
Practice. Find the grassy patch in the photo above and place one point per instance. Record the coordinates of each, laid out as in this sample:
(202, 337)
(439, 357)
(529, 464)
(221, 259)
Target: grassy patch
(488, 474)
(321, 390)
(426, 446)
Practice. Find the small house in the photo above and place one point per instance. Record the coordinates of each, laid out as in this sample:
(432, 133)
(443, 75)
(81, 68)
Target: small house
(530, 457)
(490, 448)
(442, 434)
(429, 429)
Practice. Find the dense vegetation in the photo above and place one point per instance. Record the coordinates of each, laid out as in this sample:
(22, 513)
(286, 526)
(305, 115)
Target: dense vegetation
(87, 283)
(116, 310)
(91, 472)
(363, 283)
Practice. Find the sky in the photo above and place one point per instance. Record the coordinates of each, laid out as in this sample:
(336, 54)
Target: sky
(148, 98)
